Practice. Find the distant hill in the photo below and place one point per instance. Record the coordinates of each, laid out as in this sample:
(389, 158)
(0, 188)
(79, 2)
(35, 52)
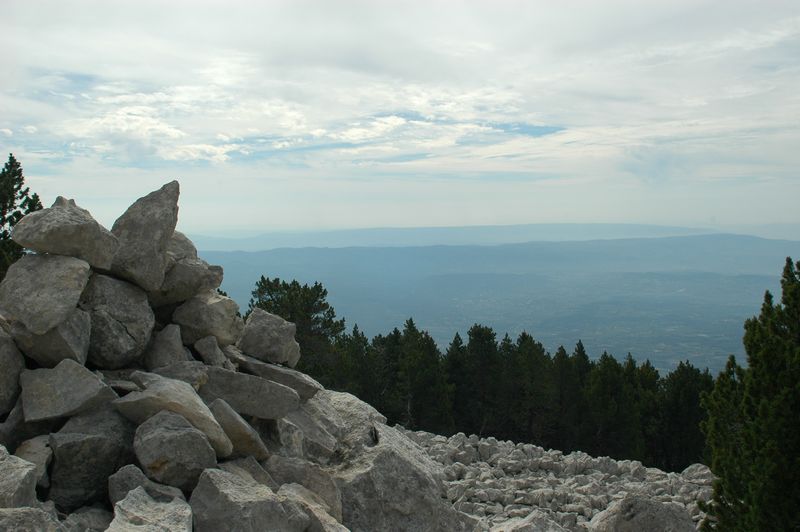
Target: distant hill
(665, 299)
(432, 236)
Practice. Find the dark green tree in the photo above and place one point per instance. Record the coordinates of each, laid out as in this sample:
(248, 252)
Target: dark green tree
(16, 200)
(752, 427)
(680, 417)
(307, 307)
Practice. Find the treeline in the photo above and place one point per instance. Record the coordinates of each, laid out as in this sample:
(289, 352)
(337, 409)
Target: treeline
(508, 388)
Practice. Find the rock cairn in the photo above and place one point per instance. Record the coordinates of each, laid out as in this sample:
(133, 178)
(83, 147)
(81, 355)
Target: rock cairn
(134, 397)
(523, 487)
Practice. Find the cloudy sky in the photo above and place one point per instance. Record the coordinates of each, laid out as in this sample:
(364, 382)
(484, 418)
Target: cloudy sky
(297, 115)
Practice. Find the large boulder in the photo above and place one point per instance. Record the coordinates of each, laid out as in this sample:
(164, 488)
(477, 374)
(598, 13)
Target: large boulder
(208, 350)
(138, 511)
(636, 513)
(536, 521)
(62, 391)
(11, 366)
(17, 481)
(88, 519)
(161, 393)
(305, 386)
(86, 451)
(66, 229)
(14, 430)
(287, 470)
(249, 395)
(144, 232)
(131, 477)
(39, 305)
(209, 313)
(313, 506)
(171, 451)
(122, 321)
(67, 340)
(269, 338)
(166, 348)
(224, 501)
(245, 439)
(29, 520)
(185, 279)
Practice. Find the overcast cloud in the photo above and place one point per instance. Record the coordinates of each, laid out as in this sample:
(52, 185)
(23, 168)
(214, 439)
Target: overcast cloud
(361, 114)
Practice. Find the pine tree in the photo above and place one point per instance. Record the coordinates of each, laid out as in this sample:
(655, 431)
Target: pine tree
(752, 427)
(16, 201)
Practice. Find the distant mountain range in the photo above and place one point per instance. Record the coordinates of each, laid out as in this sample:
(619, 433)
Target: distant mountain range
(666, 298)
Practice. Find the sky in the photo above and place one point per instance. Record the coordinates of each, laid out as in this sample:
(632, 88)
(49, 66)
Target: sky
(324, 115)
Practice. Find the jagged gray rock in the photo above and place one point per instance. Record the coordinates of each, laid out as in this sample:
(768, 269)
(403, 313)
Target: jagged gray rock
(161, 393)
(38, 452)
(249, 468)
(62, 391)
(166, 348)
(171, 451)
(637, 514)
(17, 481)
(144, 232)
(192, 372)
(67, 340)
(131, 477)
(185, 278)
(245, 439)
(14, 430)
(209, 313)
(287, 470)
(66, 229)
(249, 395)
(88, 519)
(29, 520)
(11, 366)
(224, 501)
(86, 451)
(39, 305)
(314, 507)
(211, 354)
(140, 512)
(122, 321)
(269, 338)
(305, 386)
(536, 521)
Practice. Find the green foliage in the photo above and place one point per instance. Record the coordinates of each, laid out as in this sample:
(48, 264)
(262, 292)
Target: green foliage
(752, 427)
(16, 201)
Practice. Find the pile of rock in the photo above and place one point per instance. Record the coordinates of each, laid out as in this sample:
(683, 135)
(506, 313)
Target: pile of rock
(525, 487)
(134, 397)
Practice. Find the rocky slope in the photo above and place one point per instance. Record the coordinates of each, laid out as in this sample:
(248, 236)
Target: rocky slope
(134, 397)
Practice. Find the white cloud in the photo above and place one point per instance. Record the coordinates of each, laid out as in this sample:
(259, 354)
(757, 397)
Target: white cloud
(7, 132)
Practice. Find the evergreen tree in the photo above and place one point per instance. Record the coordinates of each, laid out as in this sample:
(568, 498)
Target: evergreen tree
(458, 372)
(752, 428)
(307, 307)
(680, 416)
(16, 201)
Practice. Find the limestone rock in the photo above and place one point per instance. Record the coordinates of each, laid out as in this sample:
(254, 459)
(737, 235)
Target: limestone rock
(65, 390)
(286, 470)
(249, 468)
(11, 366)
(192, 372)
(187, 277)
(29, 520)
(305, 386)
(122, 321)
(248, 394)
(88, 519)
(131, 477)
(314, 507)
(86, 451)
(536, 521)
(17, 481)
(269, 338)
(37, 451)
(636, 513)
(171, 451)
(211, 354)
(166, 348)
(302, 434)
(38, 305)
(14, 430)
(224, 501)
(161, 393)
(144, 232)
(140, 512)
(209, 313)
(66, 229)
(245, 439)
(67, 340)
(179, 247)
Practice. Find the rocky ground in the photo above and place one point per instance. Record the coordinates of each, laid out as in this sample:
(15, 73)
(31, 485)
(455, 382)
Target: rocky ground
(134, 397)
